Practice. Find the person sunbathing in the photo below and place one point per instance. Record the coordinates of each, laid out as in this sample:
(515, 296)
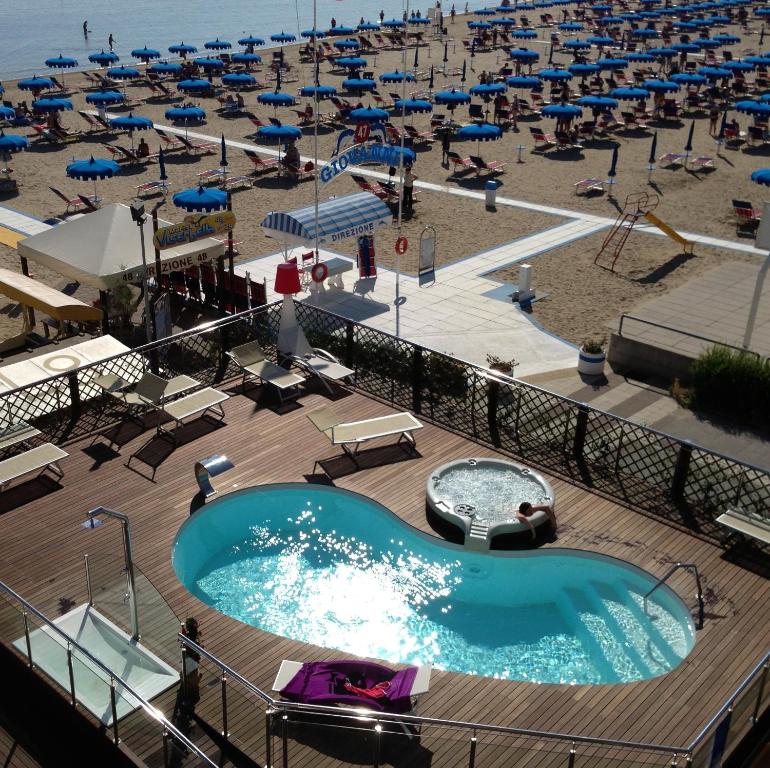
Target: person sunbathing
(526, 510)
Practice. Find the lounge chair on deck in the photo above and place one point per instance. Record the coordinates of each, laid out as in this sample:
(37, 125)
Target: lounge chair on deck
(352, 435)
(46, 456)
(197, 404)
(321, 363)
(250, 358)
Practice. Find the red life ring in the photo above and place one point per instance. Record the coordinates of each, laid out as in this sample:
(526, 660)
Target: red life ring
(319, 272)
(401, 245)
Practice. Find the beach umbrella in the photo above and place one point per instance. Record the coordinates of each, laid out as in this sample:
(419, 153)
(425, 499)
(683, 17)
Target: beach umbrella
(462, 74)
(571, 26)
(318, 91)
(685, 48)
(762, 35)
(760, 61)
(145, 53)
(430, 80)
(7, 113)
(396, 77)
(523, 34)
(200, 199)
(283, 37)
(688, 78)
(368, 27)
(412, 106)
(605, 21)
(688, 145)
(198, 85)
(185, 116)
(451, 99)
(480, 132)
(684, 26)
(51, 105)
(662, 53)
(368, 115)
(103, 58)
(754, 108)
(577, 45)
(706, 42)
(737, 65)
(762, 11)
(600, 40)
(162, 165)
(246, 58)
(521, 81)
(93, 169)
(562, 111)
(279, 134)
(341, 31)
(727, 39)
(761, 176)
(612, 64)
(554, 75)
(597, 103)
(644, 34)
(419, 20)
(638, 56)
(613, 171)
(277, 99)
(61, 62)
(251, 40)
(182, 49)
(359, 84)
(479, 25)
(416, 57)
(131, 123)
(10, 142)
(208, 64)
(485, 12)
(165, 68)
(583, 70)
(722, 127)
(523, 54)
(350, 62)
(393, 23)
(714, 73)
(446, 58)
(651, 159)
(487, 90)
(346, 44)
(123, 73)
(660, 86)
(35, 84)
(218, 45)
(504, 22)
(238, 80)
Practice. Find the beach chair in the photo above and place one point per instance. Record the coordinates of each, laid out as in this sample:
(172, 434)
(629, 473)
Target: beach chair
(211, 176)
(79, 202)
(734, 137)
(43, 457)
(384, 193)
(324, 365)
(121, 155)
(301, 172)
(747, 217)
(419, 137)
(261, 165)
(460, 163)
(94, 125)
(702, 163)
(150, 188)
(170, 143)
(350, 436)
(198, 147)
(671, 160)
(250, 358)
(491, 166)
(196, 405)
(587, 186)
(237, 182)
(543, 141)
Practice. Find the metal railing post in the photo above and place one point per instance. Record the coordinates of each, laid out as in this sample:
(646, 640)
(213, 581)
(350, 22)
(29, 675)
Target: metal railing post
(350, 334)
(71, 671)
(114, 709)
(74, 388)
(225, 731)
(166, 761)
(88, 580)
(571, 758)
(269, 737)
(472, 755)
(285, 739)
(760, 694)
(377, 745)
(26, 638)
(679, 481)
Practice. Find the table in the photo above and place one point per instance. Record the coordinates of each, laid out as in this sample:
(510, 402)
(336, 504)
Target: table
(335, 267)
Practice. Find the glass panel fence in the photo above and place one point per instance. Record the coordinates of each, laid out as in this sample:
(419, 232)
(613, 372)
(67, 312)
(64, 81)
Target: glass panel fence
(743, 710)
(12, 626)
(246, 721)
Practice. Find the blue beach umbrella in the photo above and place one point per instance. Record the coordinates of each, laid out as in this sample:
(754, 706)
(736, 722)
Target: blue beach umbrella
(480, 132)
(238, 80)
(606, 21)
(51, 105)
(132, 123)
(145, 53)
(208, 63)
(368, 115)
(182, 49)
(555, 75)
(185, 116)
(61, 62)
(760, 61)
(736, 65)
(277, 99)
(418, 20)
(35, 84)
(393, 23)
(685, 48)
(761, 176)
(10, 142)
(8, 113)
(485, 12)
(92, 169)
(521, 81)
(479, 25)
(413, 106)
(611, 64)
(123, 73)
(663, 53)
(359, 84)
(279, 133)
(523, 34)
(311, 34)
(103, 58)
(318, 91)
(638, 56)
(706, 42)
(504, 23)
(644, 34)
(396, 77)
(714, 73)
(660, 86)
(562, 111)
(571, 26)
(346, 44)
(629, 94)
(283, 37)
(350, 62)
(368, 26)
(252, 41)
(218, 45)
(197, 85)
(688, 78)
(487, 90)
(523, 54)
(105, 98)
(597, 103)
(451, 98)
(165, 68)
(200, 199)
(577, 45)
(583, 70)
(600, 40)
(754, 108)
(246, 58)
(727, 39)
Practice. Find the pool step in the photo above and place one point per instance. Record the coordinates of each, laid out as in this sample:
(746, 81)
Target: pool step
(478, 536)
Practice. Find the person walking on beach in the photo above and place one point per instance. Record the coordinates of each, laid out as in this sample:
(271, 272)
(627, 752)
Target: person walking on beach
(452, 14)
(446, 146)
(713, 118)
(409, 179)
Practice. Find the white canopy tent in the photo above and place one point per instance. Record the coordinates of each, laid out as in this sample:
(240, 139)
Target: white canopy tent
(103, 248)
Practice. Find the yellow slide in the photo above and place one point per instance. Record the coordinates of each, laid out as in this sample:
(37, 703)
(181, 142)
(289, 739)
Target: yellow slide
(687, 245)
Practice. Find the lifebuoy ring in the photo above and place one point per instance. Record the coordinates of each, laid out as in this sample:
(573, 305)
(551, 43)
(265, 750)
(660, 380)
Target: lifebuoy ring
(401, 245)
(319, 272)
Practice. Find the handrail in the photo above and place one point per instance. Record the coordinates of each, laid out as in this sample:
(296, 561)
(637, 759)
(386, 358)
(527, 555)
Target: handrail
(683, 333)
(692, 568)
(72, 643)
(358, 712)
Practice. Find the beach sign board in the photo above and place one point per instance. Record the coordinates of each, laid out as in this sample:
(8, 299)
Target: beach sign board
(193, 228)
(357, 155)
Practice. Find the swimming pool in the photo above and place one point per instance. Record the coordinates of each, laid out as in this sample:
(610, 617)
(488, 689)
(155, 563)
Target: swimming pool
(336, 569)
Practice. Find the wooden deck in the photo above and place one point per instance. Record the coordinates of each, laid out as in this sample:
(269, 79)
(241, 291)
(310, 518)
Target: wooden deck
(42, 544)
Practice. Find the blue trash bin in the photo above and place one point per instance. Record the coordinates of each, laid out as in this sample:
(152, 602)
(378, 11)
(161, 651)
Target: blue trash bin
(490, 190)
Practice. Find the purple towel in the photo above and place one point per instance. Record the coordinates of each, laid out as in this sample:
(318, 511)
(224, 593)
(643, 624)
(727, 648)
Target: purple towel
(323, 682)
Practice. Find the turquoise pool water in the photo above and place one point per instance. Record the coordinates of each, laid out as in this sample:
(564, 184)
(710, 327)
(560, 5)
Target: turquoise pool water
(336, 569)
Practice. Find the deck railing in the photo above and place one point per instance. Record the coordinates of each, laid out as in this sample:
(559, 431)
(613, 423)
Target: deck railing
(649, 470)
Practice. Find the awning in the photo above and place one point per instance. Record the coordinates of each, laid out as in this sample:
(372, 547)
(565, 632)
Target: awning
(103, 248)
(37, 295)
(340, 218)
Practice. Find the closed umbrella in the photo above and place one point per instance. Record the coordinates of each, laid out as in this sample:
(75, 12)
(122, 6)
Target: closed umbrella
(223, 155)
(416, 56)
(200, 199)
(93, 169)
(162, 165)
(462, 75)
(722, 127)
(688, 145)
(430, 80)
(651, 160)
(613, 171)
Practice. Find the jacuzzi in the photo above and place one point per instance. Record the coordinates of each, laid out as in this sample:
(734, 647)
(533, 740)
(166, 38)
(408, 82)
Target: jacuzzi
(481, 496)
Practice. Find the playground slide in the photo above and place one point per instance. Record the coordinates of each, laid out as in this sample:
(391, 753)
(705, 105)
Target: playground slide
(672, 233)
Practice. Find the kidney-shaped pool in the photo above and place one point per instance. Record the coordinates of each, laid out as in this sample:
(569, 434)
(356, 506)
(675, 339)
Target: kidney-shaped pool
(336, 569)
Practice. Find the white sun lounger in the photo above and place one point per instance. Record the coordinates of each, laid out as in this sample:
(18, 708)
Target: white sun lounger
(197, 404)
(741, 522)
(250, 357)
(353, 434)
(324, 365)
(46, 456)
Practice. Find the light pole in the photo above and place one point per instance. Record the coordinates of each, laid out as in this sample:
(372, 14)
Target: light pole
(139, 216)
(93, 522)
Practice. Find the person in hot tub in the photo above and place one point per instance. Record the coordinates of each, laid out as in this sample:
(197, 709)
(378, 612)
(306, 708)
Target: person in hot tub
(526, 510)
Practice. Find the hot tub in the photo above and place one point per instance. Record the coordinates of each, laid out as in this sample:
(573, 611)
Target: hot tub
(481, 497)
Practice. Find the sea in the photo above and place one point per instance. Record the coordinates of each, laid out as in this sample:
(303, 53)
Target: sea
(38, 29)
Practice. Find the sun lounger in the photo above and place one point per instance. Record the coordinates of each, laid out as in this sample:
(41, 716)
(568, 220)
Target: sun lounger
(747, 217)
(152, 187)
(702, 163)
(493, 166)
(250, 358)
(170, 143)
(460, 163)
(94, 125)
(237, 182)
(352, 435)
(87, 202)
(324, 365)
(211, 176)
(197, 404)
(671, 160)
(261, 165)
(746, 524)
(193, 147)
(586, 186)
(46, 456)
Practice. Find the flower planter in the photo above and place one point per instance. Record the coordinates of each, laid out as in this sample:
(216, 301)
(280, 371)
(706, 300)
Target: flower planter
(591, 363)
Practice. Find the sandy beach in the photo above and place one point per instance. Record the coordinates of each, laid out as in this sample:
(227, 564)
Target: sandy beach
(582, 298)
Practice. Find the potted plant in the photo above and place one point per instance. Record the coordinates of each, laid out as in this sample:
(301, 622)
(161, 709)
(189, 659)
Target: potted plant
(496, 363)
(591, 357)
